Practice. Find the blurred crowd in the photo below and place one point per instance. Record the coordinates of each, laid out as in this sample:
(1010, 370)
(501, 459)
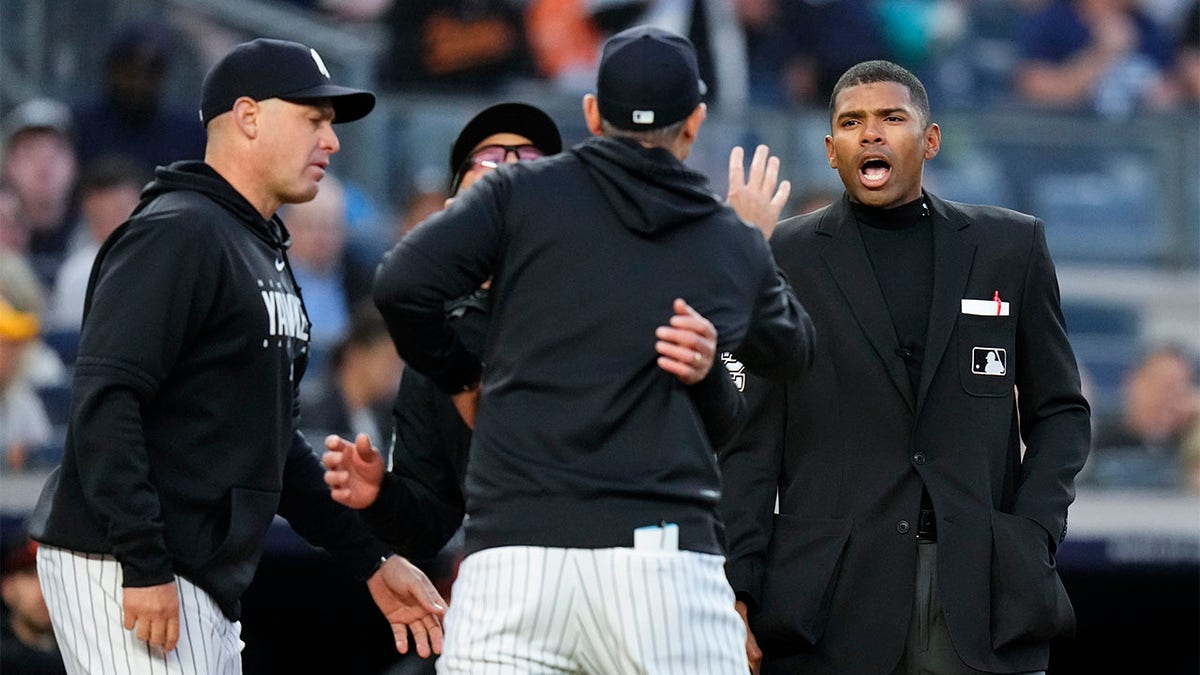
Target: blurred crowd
(71, 170)
(1113, 56)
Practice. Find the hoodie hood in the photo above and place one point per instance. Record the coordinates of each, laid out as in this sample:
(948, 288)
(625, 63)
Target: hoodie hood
(648, 188)
(200, 177)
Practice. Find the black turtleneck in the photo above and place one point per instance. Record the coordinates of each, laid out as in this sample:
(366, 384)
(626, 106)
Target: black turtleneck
(899, 243)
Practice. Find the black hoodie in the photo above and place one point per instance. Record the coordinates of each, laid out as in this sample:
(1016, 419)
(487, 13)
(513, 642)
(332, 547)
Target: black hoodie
(182, 443)
(580, 438)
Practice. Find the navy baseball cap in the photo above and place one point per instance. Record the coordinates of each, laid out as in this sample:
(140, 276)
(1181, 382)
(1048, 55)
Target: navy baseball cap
(514, 118)
(266, 68)
(649, 78)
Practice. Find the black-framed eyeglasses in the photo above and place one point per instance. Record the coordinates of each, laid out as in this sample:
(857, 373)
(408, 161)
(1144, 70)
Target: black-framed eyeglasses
(492, 156)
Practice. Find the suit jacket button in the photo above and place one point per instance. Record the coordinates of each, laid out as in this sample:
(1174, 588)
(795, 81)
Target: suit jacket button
(918, 458)
(903, 527)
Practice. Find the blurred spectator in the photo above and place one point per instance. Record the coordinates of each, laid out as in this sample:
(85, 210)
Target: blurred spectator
(1190, 458)
(809, 201)
(346, 10)
(356, 10)
(916, 31)
(27, 642)
(40, 165)
(108, 193)
(317, 254)
(456, 45)
(565, 42)
(13, 235)
(24, 426)
(1187, 56)
(797, 49)
(131, 117)
(361, 381)
(421, 205)
(1161, 404)
(1101, 54)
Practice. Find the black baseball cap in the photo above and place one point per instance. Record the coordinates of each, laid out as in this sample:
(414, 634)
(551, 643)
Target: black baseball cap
(649, 78)
(514, 118)
(266, 68)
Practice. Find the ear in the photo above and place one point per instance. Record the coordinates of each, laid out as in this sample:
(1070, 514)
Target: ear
(591, 113)
(829, 152)
(933, 141)
(691, 127)
(246, 113)
(8, 588)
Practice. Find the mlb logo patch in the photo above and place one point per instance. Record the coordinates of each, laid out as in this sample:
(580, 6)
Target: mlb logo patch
(737, 371)
(989, 361)
(643, 117)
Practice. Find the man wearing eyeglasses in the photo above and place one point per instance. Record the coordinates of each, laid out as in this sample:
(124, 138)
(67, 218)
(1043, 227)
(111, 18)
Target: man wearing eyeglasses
(591, 532)
(427, 460)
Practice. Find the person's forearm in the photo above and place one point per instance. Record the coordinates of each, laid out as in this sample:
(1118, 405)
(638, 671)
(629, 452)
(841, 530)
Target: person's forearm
(114, 474)
(410, 519)
(306, 505)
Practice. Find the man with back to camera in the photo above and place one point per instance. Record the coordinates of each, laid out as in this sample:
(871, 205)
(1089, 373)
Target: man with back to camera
(591, 489)
(426, 464)
(183, 440)
(912, 534)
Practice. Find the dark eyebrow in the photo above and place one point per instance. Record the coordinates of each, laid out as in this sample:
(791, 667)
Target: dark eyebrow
(850, 113)
(882, 112)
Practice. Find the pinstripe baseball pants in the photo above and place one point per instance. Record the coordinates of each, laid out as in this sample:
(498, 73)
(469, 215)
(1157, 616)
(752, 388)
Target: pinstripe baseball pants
(83, 593)
(524, 610)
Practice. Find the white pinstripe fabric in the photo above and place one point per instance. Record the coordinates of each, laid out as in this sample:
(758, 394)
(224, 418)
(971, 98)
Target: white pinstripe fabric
(83, 593)
(523, 610)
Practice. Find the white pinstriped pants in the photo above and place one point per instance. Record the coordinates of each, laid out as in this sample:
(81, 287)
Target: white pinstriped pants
(524, 610)
(83, 593)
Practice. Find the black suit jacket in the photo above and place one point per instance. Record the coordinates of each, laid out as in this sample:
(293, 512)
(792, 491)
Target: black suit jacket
(830, 578)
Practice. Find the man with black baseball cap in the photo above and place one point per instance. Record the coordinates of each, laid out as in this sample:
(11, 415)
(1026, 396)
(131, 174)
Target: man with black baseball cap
(591, 533)
(266, 68)
(527, 129)
(183, 443)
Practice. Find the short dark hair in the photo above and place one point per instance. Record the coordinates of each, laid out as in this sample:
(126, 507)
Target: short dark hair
(110, 171)
(868, 72)
(366, 326)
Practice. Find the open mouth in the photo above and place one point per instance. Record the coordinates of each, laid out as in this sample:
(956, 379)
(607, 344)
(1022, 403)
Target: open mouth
(874, 172)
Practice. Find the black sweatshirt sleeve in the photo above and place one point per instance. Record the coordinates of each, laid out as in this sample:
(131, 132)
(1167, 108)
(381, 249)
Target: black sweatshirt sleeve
(306, 505)
(446, 257)
(721, 406)
(420, 503)
(750, 466)
(779, 343)
(141, 311)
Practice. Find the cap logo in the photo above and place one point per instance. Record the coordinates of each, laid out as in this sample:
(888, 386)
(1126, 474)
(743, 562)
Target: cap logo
(643, 117)
(320, 64)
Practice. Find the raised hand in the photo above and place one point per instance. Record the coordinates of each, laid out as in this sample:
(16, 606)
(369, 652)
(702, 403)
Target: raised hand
(353, 472)
(411, 604)
(760, 198)
(688, 345)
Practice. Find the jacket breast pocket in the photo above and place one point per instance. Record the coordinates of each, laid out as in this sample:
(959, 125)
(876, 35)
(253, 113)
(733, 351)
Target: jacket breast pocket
(987, 354)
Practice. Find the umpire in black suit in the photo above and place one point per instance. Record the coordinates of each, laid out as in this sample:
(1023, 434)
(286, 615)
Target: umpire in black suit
(914, 534)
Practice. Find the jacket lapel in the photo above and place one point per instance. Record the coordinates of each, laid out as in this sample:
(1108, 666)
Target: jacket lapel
(953, 255)
(846, 257)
